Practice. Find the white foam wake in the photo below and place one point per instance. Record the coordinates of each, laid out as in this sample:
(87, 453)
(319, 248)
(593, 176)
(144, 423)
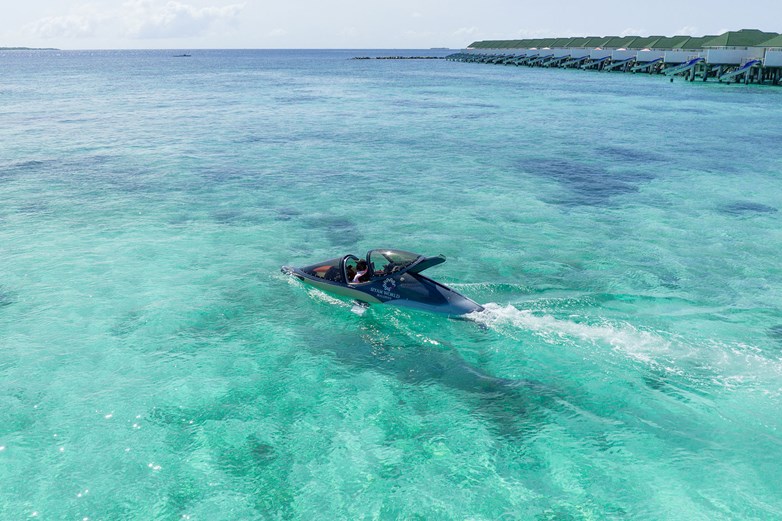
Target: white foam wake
(326, 298)
(315, 293)
(639, 344)
(726, 364)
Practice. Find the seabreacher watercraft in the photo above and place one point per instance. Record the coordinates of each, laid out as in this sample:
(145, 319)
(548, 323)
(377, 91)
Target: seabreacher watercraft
(386, 277)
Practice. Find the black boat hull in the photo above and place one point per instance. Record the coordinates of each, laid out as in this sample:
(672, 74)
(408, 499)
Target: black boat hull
(410, 290)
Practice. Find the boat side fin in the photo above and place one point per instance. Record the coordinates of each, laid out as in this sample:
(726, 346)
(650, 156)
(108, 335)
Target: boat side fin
(426, 263)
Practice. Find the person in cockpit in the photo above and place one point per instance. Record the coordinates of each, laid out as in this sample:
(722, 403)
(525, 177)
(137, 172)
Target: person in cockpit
(362, 272)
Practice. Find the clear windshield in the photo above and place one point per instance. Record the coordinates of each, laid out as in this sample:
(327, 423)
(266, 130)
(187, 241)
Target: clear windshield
(386, 262)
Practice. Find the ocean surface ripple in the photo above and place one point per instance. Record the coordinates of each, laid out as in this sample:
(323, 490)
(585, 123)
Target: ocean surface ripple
(622, 231)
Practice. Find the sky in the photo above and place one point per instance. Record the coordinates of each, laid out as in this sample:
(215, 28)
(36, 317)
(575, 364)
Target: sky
(350, 24)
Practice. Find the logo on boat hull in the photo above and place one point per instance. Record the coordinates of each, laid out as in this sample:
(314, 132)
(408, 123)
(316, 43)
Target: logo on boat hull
(387, 291)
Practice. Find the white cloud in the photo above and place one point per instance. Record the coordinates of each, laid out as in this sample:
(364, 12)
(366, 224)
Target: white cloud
(631, 32)
(419, 36)
(276, 33)
(535, 33)
(688, 30)
(135, 19)
(416, 15)
(466, 31)
(348, 32)
(69, 26)
(148, 19)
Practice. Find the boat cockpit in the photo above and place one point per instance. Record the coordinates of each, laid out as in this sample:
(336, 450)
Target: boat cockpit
(378, 264)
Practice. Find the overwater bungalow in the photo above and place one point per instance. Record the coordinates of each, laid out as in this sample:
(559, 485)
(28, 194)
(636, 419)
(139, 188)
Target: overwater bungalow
(748, 54)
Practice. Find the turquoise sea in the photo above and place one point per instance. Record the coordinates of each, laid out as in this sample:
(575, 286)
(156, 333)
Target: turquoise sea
(624, 233)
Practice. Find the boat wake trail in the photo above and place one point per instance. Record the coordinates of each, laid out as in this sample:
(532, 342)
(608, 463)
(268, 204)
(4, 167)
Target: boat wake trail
(509, 320)
(700, 360)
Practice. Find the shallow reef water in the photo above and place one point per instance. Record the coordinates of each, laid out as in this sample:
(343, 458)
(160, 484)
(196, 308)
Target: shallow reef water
(622, 231)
